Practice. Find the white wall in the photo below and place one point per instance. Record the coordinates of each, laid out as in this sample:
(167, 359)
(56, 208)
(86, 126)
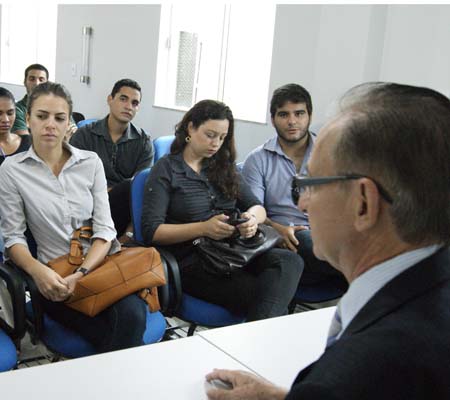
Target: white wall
(326, 48)
(124, 45)
(417, 47)
(17, 90)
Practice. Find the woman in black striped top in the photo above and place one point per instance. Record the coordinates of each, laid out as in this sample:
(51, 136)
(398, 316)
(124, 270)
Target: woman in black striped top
(186, 197)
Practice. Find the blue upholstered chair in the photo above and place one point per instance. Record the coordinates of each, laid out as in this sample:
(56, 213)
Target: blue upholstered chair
(184, 306)
(77, 117)
(8, 354)
(162, 145)
(69, 344)
(325, 291)
(86, 122)
(61, 340)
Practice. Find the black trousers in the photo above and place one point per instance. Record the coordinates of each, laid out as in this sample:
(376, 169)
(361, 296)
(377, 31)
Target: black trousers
(316, 271)
(119, 202)
(262, 289)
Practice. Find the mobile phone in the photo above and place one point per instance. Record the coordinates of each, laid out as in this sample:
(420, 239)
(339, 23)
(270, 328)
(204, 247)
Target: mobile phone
(237, 221)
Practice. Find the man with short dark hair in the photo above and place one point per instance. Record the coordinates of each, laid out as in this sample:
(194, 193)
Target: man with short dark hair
(35, 74)
(123, 148)
(269, 166)
(377, 196)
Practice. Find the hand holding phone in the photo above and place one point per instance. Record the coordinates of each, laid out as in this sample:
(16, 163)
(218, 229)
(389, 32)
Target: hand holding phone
(237, 221)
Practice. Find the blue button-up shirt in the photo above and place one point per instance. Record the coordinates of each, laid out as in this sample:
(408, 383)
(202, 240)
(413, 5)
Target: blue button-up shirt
(269, 171)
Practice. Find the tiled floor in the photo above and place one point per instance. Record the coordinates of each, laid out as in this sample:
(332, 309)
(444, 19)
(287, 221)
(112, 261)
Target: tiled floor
(31, 355)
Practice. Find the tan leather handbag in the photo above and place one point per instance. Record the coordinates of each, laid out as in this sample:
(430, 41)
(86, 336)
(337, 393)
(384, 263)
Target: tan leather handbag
(133, 269)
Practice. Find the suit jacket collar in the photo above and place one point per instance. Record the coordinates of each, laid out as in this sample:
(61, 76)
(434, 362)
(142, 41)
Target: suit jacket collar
(411, 283)
(422, 277)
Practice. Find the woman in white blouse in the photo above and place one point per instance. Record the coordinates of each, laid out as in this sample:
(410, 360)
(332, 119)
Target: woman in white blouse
(54, 189)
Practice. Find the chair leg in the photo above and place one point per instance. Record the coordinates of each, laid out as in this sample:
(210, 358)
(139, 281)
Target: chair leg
(56, 358)
(192, 329)
(171, 330)
(18, 344)
(291, 307)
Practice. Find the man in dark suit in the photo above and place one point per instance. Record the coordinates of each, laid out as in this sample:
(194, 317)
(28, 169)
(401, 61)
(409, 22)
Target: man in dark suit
(378, 203)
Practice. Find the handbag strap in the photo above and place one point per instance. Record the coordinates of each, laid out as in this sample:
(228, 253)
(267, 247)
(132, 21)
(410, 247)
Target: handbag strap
(76, 255)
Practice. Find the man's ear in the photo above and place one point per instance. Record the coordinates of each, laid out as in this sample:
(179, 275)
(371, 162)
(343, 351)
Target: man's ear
(27, 119)
(109, 99)
(367, 205)
(271, 118)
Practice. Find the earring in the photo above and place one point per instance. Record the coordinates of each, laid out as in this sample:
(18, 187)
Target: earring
(187, 139)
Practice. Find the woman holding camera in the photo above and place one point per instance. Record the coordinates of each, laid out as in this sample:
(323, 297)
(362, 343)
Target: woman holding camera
(187, 195)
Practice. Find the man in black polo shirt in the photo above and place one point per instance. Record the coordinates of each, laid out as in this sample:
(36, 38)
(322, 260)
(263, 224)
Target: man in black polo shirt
(123, 148)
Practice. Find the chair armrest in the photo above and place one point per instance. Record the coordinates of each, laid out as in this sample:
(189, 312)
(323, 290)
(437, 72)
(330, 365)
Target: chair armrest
(16, 289)
(173, 287)
(37, 320)
(163, 291)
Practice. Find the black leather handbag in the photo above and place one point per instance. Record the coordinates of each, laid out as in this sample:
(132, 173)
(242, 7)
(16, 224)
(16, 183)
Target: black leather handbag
(222, 257)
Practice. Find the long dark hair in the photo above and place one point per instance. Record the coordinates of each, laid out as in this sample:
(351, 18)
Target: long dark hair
(221, 167)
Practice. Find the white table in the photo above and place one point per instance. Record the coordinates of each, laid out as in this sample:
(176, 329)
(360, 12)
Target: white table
(277, 348)
(168, 370)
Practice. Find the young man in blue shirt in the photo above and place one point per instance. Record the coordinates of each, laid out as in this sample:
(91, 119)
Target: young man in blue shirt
(277, 161)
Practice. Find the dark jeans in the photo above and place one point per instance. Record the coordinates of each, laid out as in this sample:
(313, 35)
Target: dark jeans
(262, 289)
(120, 326)
(316, 271)
(119, 202)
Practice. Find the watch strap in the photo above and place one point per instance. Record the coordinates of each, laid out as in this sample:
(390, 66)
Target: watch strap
(83, 270)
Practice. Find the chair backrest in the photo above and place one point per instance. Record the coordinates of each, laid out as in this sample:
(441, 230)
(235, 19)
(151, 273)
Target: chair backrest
(86, 122)
(162, 146)
(77, 117)
(168, 303)
(137, 198)
(327, 290)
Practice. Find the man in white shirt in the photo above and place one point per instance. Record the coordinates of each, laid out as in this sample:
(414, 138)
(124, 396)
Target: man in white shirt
(377, 196)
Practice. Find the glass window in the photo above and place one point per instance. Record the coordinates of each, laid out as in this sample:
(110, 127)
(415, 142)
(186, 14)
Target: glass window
(27, 36)
(220, 52)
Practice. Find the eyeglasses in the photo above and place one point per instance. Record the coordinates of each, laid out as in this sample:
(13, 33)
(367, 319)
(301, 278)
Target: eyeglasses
(301, 184)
